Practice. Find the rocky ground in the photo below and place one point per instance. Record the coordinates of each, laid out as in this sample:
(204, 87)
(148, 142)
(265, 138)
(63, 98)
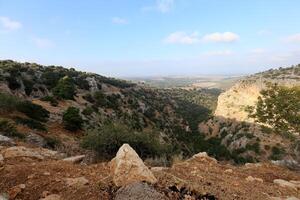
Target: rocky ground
(37, 173)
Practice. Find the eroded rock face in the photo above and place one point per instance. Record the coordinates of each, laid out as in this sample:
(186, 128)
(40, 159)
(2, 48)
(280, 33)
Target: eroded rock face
(127, 167)
(137, 191)
(6, 141)
(36, 153)
(287, 184)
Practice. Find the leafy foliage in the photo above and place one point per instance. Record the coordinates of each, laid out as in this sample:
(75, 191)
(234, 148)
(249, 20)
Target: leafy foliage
(72, 119)
(31, 123)
(33, 111)
(111, 137)
(7, 128)
(65, 88)
(279, 107)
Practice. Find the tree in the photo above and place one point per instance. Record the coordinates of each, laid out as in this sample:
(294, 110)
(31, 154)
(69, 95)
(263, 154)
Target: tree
(279, 107)
(72, 119)
(65, 88)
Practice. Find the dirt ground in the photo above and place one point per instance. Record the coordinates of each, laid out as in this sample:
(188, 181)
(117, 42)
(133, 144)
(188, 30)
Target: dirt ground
(199, 178)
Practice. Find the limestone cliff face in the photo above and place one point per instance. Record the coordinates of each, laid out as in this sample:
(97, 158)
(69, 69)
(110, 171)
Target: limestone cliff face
(232, 103)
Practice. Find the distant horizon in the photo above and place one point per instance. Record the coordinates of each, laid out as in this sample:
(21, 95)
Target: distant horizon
(154, 37)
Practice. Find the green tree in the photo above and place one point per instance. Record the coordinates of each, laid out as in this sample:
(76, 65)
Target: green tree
(279, 107)
(72, 119)
(65, 88)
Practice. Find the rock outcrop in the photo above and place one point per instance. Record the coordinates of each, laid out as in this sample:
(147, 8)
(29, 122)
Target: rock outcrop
(35, 153)
(6, 141)
(74, 159)
(127, 167)
(137, 191)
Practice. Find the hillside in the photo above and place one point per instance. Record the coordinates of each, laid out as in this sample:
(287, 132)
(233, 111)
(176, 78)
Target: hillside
(241, 134)
(49, 113)
(170, 116)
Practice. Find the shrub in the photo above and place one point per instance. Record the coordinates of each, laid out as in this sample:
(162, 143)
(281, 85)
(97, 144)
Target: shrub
(65, 88)
(8, 102)
(51, 99)
(33, 111)
(28, 86)
(52, 142)
(31, 123)
(88, 111)
(107, 141)
(277, 153)
(13, 83)
(8, 129)
(72, 119)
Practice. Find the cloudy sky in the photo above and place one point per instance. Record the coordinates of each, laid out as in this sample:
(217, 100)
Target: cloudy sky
(152, 37)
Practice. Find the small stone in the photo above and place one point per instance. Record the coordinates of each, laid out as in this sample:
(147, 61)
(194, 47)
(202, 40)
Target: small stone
(77, 182)
(31, 176)
(251, 179)
(14, 191)
(52, 197)
(46, 173)
(229, 171)
(45, 193)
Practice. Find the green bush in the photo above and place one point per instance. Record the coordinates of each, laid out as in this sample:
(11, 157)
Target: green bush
(9, 129)
(72, 119)
(31, 123)
(33, 111)
(107, 141)
(65, 88)
(8, 102)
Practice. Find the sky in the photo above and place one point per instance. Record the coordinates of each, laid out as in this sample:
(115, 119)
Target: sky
(124, 38)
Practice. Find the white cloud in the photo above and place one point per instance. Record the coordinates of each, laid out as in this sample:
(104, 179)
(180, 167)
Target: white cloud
(181, 37)
(118, 20)
(293, 38)
(221, 37)
(218, 53)
(162, 6)
(43, 43)
(9, 24)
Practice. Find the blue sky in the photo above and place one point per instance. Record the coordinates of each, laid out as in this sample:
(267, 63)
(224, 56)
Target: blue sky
(152, 37)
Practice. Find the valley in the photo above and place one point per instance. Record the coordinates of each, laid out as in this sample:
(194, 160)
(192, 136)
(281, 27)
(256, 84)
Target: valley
(49, 113)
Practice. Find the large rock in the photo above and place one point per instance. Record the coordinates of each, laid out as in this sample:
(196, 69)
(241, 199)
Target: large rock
(74, 159)
(36, 153)
(6, 141)
(127, 167)
(287, 184)
(35, 139)
(137, 191)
